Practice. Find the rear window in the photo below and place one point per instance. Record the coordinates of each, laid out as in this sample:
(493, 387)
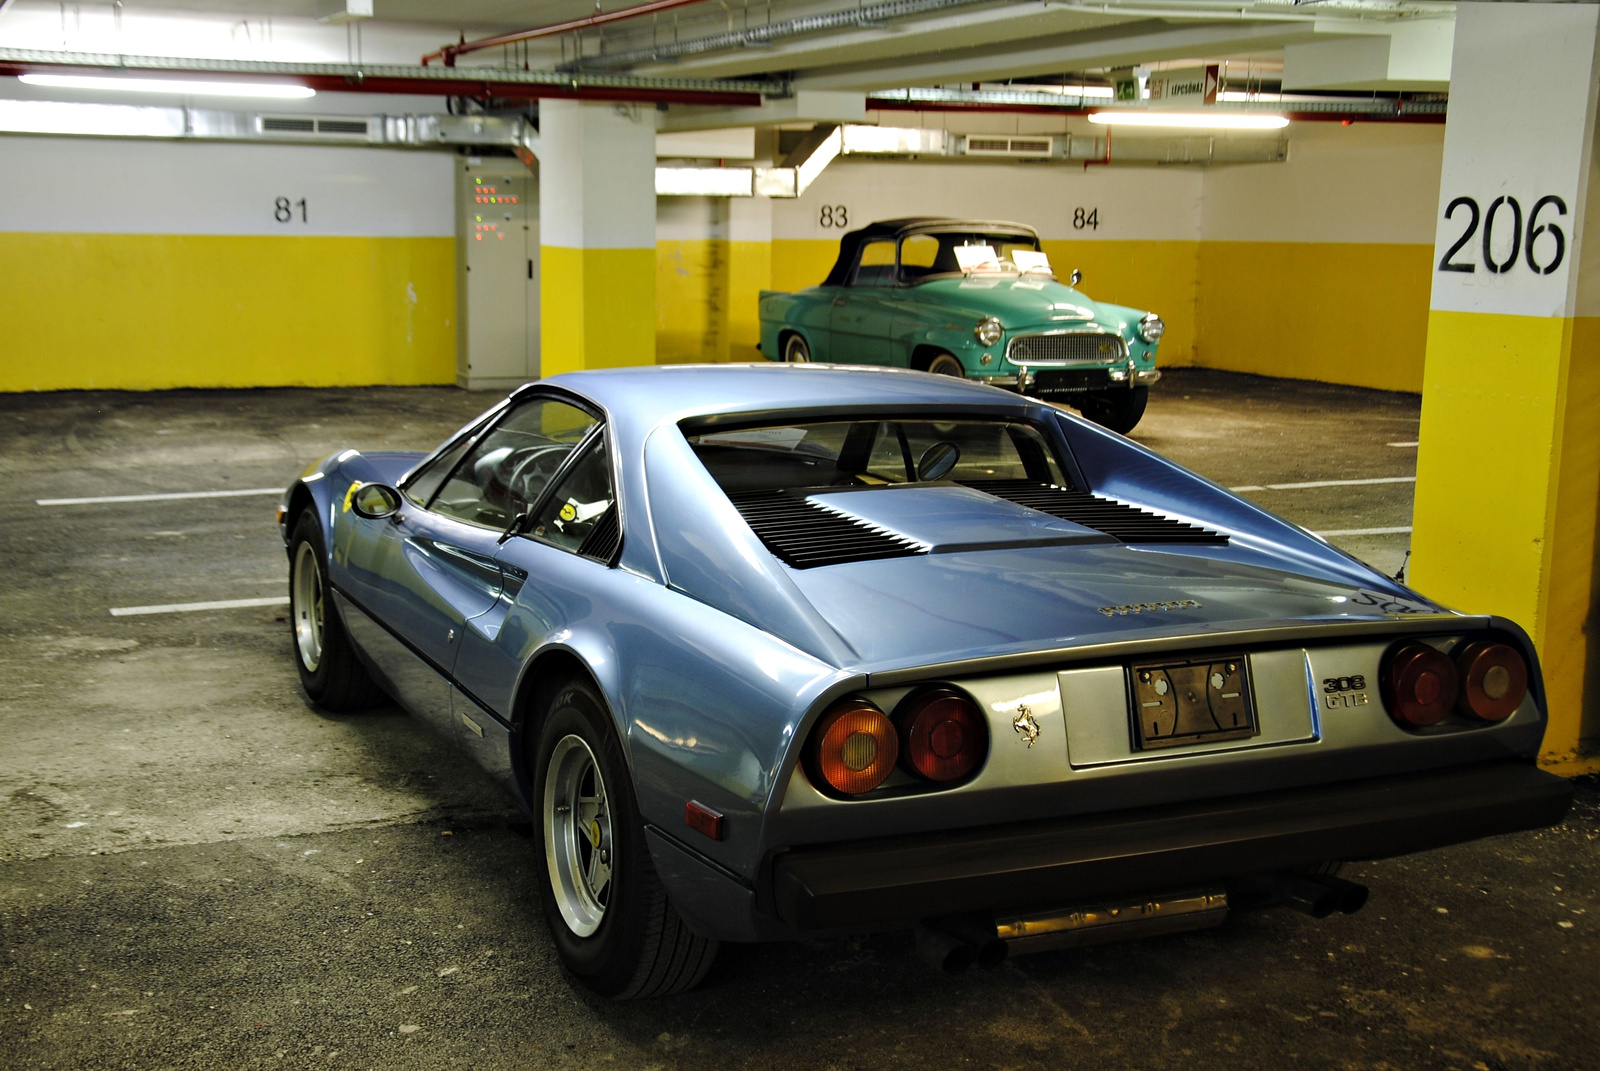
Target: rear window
(875, 453)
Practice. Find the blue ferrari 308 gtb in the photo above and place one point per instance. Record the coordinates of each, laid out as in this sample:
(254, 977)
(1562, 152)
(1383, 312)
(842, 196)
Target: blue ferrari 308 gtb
(784, 650)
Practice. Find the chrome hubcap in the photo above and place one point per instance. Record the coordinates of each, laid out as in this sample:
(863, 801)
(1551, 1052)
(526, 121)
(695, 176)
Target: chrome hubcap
(795, 352)
(305, 598)
(579, 848)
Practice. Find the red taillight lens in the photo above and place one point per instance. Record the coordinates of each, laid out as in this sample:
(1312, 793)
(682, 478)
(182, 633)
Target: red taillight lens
(1494, 679)
(943, 735)
(1419, 686)
(854, 747)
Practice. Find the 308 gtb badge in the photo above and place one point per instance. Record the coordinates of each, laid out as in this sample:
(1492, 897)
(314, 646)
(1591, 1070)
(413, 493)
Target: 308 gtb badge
(1340, 692)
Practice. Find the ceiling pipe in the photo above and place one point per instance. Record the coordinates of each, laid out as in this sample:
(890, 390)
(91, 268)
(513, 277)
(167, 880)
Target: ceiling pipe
(449, 52)
(478, 88)
(1401, 112)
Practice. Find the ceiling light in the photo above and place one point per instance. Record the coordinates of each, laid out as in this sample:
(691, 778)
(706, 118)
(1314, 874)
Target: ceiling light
(1193, 120)
(177, 86)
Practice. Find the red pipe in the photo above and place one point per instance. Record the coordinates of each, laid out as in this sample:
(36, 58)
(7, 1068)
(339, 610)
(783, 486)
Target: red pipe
(449, 52)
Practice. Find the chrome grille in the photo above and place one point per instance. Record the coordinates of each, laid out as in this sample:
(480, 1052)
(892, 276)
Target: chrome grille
(1072, 347)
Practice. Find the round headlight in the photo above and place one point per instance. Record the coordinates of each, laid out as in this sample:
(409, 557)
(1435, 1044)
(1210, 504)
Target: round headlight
(1151, 328)
(988, 330)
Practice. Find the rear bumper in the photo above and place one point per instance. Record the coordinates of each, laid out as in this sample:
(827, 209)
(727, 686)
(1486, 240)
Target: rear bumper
(866, 883)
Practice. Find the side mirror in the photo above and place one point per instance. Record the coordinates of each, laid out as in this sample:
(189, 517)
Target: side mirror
(937, 461)
(375, 501)
(1075, 278)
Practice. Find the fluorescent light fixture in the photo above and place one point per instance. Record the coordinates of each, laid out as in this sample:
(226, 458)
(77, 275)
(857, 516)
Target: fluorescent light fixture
(1192, 120)
(177, 86)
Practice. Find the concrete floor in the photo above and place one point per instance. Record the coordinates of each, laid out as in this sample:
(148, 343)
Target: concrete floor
(199, 870)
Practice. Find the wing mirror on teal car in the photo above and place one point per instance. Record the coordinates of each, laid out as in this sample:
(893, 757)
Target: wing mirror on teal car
(1075, 278)
(375, 501)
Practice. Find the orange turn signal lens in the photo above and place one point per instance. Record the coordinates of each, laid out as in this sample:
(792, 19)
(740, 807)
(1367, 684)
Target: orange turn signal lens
(1494, 680)
(1419, 685)
(854, 747)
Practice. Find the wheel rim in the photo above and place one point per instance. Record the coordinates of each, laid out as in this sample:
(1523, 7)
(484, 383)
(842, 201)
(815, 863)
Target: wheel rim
(947, 366)
(795, 350)
(578, 836)
(305, 594)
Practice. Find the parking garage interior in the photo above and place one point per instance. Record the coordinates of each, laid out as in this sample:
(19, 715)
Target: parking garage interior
(238, 237)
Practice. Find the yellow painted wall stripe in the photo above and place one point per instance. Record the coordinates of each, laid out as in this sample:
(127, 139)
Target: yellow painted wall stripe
(597, 308)
(1506, 480)
(1351, 313)
(150, 312)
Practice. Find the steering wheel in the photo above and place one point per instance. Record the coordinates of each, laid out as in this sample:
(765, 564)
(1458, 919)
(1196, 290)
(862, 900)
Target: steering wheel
(525, 472)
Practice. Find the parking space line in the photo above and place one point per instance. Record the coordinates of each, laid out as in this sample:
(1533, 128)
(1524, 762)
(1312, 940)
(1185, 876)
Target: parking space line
(187, 607)
(158, 497)
(1324, 483)
(1399, 530)
(1405, 444)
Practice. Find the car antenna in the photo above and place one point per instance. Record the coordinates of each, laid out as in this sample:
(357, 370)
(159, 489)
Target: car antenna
(518, 523)
(1400, 573)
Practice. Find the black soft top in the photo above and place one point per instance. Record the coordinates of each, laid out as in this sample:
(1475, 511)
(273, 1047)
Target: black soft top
(852, 242)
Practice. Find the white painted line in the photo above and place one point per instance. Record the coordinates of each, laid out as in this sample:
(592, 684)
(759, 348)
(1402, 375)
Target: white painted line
(1326, 483)
(158, 498)
(1403, 530)
(189, 607)
(1405, 444)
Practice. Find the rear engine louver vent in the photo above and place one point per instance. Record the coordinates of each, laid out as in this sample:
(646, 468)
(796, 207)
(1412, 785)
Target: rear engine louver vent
(804, 534)
(1117, 519)
(604, 539)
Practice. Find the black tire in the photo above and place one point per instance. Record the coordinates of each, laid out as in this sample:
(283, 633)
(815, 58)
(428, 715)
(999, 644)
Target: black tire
(641, 946)
(1118, 409)
(337, 680)
(796, 350)
(946, 364)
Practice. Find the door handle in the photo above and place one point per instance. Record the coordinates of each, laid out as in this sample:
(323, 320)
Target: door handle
(839, 303)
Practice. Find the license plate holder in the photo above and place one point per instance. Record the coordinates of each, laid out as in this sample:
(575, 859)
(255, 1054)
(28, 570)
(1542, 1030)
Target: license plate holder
(1193, 701)
(1070, 380)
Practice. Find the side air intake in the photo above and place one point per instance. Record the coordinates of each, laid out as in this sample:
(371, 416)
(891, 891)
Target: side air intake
(1116, 519)
(804, 535)
(604, 539)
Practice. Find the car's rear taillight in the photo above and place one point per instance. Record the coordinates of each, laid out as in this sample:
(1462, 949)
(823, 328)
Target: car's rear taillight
(854, 747)
(943, 734)
(1494, 680)
(1419, 685)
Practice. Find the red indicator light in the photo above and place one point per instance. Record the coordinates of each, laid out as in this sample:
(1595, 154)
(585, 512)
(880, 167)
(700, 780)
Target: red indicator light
(702, 819)
(479, 237)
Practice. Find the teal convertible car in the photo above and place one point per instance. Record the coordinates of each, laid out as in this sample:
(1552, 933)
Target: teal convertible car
(974, 299)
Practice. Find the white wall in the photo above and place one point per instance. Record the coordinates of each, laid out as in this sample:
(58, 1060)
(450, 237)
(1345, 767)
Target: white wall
(115, 186)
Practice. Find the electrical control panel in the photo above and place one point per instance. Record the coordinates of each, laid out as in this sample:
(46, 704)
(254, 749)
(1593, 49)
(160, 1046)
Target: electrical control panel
(497, 266)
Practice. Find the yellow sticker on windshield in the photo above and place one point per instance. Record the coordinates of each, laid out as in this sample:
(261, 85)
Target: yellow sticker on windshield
(567, 512)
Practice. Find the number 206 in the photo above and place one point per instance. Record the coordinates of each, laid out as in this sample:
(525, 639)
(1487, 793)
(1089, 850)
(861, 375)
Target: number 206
(1521, 244)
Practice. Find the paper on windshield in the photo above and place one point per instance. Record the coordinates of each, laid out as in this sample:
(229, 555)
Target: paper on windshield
(977, 258)
(1030, 260)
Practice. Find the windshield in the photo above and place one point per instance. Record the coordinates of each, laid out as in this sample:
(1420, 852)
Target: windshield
(875, 453)
(926, 255)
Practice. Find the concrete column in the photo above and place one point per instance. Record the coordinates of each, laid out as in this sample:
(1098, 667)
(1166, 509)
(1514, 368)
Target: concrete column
(1508, 473)
(749, 272)
(597, 210)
